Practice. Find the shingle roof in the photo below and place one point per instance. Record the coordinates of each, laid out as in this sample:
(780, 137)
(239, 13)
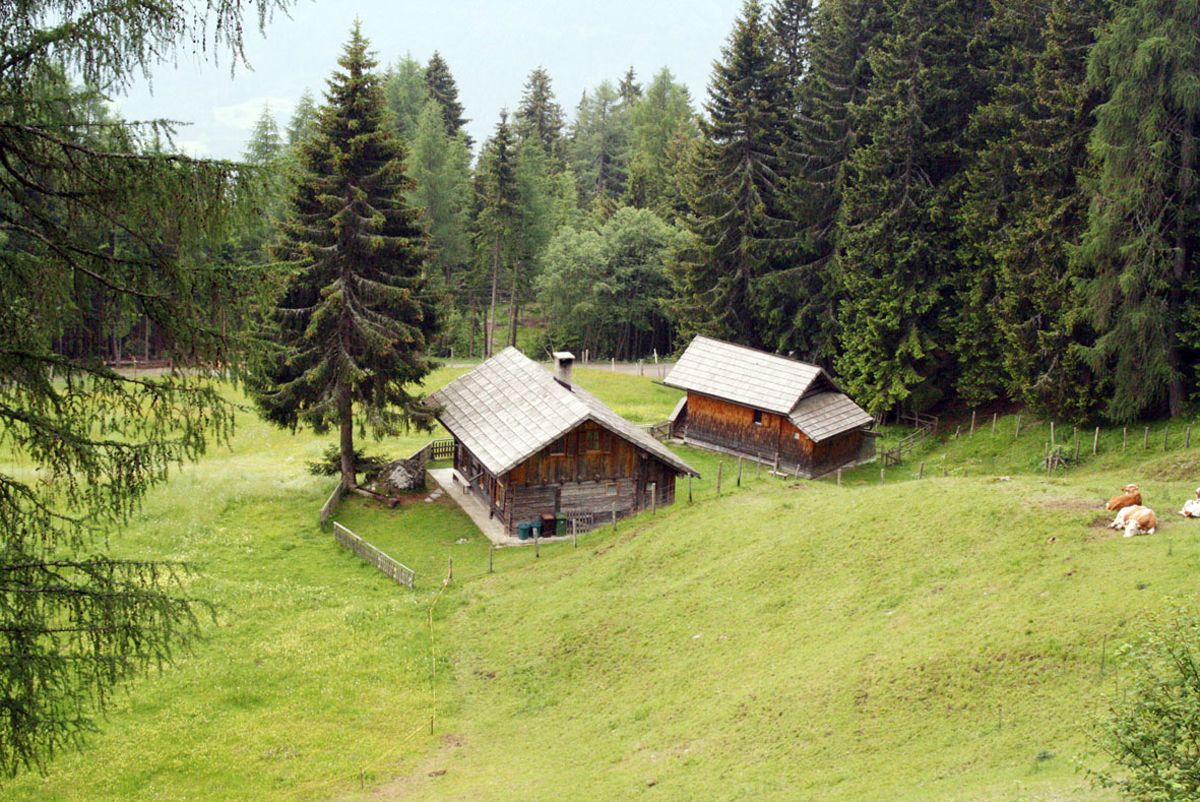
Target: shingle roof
(509, 408)
(769, 382)
(742, 375)
(824, 415)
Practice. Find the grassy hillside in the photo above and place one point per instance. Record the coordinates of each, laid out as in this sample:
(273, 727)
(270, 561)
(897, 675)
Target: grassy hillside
(939, 640)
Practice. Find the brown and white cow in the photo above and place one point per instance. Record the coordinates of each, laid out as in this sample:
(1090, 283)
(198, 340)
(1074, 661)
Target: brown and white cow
(1136, 520)
(1191, 507)
(1130, 497)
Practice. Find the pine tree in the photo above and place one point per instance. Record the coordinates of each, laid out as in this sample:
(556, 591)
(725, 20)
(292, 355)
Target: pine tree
(662, 122)
(407, 92)
(629, 89)
(1140, 248)
(444, 90)
(87, 204)
(1024, 209)
(539, 116)
(303, 122)
(599, 148)
(734, 187)
(441, 168)
(897, 238)
(354, 322)
(496, 200)
(791, 25)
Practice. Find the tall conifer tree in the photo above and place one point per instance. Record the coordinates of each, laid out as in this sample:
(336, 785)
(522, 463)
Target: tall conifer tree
(354, 322)
(444, 89)
(734, 187)
(897, 238)
(496, 200)
(1142, 242)
(539, 116)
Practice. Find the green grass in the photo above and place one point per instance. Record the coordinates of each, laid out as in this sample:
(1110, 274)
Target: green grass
(939, 640)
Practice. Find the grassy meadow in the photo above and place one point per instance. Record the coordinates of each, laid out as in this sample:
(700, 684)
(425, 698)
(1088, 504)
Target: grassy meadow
(949, 639)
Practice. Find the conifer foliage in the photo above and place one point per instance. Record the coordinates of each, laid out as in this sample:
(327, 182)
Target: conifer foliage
(353, 325)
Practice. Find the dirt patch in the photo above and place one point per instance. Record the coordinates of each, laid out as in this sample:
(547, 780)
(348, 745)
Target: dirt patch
(453, 741)
(1101, 522)
(1070, 504)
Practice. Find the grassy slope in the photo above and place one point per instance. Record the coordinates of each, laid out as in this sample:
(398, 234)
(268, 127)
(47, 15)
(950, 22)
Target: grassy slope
(781, 641)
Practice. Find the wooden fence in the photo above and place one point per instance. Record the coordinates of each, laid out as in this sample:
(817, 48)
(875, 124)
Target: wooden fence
(925, 425)
(398, 571)
(442, 449)
(660, 431)
(332, 503)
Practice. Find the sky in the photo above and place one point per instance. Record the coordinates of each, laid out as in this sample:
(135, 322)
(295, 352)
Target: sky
(490, 45)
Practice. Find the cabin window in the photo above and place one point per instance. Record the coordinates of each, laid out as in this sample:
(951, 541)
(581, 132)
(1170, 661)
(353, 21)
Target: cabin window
(758, 417)
(595, 440)
(795, 435)
(559, 447)
(611, 489)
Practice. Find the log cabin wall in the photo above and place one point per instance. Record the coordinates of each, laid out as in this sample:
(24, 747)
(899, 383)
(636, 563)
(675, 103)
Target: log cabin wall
(838, 451)
(742, 430)
(589, 469)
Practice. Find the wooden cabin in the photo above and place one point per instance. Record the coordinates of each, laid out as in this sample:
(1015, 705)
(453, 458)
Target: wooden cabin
(767, 408)
(529, 443)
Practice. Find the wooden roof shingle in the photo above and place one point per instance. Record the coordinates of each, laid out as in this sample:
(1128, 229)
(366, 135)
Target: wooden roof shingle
(509, 408)
(772, 383)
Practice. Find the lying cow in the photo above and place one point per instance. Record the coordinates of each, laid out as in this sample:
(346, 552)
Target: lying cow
(1130, 498)
(1191, 507)
(1136, 520)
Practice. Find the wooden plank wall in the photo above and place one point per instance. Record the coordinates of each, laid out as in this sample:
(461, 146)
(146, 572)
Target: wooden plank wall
(732, 427)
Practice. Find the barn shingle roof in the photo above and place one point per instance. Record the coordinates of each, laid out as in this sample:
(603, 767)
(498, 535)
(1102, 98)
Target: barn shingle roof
(772, 383)
(509, 408)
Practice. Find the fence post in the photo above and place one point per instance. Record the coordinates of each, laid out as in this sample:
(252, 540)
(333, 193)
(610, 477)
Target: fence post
(537, 549)
(839, 477)
(1146, 438)
(450, 571)
(972, 423)
(1018, 434)
(614, 364)
(881, 475)
(1187, 443)
(654, 498)
(957, 432)
(945, 470)
(575, 533)
(689, 488)
(1096, 442)
(1166, 436)
(994, 416)
(614, 513)
(1077, 446)
(491, 549)
(1124, 438)
(1051, 434)
(720, 465)
(921, 471)
(739, 476)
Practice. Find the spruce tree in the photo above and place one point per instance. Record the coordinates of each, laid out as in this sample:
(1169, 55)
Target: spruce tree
(1141, 244)
(353, 324)
(629, 89)
(733, 187)
(444, 90)
(599, 148)
(1025, 208)
(539, 116)
(897, 238)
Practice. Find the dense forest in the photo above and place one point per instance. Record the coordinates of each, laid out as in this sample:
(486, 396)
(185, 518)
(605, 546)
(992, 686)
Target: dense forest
(943, 201)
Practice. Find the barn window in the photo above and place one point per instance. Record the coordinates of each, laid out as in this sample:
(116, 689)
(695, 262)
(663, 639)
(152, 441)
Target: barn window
(758, 417)
(795, 435)
(612, 489)
(559, 447)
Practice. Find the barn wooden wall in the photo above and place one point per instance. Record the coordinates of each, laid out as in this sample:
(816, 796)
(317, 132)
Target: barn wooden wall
(614, 475)
(731, 426)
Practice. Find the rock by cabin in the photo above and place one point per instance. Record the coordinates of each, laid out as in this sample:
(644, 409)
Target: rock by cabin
(529, 444)
(767, 408)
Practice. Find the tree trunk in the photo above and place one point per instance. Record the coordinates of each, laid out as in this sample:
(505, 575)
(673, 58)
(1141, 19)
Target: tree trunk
(512, 307)
(1187, 161)
(491, 321)
(346, 422)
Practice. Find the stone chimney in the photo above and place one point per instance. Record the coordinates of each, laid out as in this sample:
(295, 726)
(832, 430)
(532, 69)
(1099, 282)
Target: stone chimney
(563, 360)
